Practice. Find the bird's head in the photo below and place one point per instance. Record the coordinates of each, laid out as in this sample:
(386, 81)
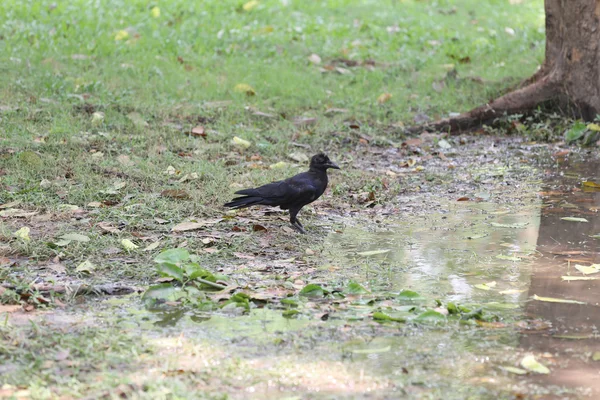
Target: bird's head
(322, 162)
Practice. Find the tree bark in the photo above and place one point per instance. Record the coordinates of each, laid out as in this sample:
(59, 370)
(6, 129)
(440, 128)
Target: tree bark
(570, 75)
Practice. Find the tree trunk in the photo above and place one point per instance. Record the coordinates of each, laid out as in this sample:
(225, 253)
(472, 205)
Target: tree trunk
(570, 75)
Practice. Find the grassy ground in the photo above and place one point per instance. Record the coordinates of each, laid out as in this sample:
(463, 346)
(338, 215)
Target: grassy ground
(156, 75)
(97, 103)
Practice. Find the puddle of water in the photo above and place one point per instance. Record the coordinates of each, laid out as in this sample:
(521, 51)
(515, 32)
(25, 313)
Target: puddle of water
(523, 246)
(447, 254)
(526, 248)
(490, 254)
(573, 337)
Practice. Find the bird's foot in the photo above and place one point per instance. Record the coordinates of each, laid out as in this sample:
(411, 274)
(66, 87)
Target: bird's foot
(297, 226)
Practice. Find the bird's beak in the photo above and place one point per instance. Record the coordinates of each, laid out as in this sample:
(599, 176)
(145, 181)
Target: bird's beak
(333, 165)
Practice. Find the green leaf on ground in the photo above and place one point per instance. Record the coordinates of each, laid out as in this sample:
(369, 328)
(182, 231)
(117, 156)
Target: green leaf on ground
(379, 316)
(512, 291)
(517, 225)
(170, 270)
(576, 132)
(514, 370)
(452, 308)
(86, 267)
(194, 271)
(579, 278)
(408, 295)
(312, 290)
(588, 269)
(555, 300)
(430, 316)
(173, 256)
(290, 313)
(356, 288)
(373, 252)
(574, 219)
(572, 337)
(163, 291)
(475, 314)
(128, 245)
(238, 300)
(531, 364)
(23, 234)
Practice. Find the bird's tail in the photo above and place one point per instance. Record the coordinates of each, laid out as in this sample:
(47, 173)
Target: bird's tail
(243, 202)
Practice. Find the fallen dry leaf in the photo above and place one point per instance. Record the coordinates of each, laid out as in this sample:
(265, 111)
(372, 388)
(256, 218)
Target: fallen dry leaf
(191, 226)
(10, 204)
(591, 184)
(331, 111)
(121, 35)
(57, 267)
(107, 227)
(9, 308)
(23, 234)
(244, 88)
(300, 121)
(199, 131)
(244, 256)
(16, 213)
(124, 160)
(298, 157)
(561, 153)
(384, 98)
(128, 245)
(137, 119)
(175, 194)
(280, 164)
(251, 5)
(240, 143)
(152, 246)
(413, 142)
(263, 114)
(314, 58)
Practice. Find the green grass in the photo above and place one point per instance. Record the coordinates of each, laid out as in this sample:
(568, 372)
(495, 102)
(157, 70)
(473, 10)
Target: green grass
(63, 64)
(198, 52)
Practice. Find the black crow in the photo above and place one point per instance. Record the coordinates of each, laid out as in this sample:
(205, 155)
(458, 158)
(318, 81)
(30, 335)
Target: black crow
(290, 194)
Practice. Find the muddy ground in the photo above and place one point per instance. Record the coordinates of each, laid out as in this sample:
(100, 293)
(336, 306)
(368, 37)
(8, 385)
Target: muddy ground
(440, 281)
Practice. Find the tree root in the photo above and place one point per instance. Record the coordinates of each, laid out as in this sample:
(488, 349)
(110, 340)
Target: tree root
(520, 100)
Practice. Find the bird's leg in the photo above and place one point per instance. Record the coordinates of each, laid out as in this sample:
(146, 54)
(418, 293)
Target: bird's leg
(294, 221)
(298, 227)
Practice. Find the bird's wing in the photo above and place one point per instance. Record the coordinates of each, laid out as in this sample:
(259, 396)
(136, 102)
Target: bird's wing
(299, 189)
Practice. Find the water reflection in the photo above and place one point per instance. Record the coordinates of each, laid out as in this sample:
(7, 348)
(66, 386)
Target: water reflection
(450, 252)
(573, 336)
(525, 247)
